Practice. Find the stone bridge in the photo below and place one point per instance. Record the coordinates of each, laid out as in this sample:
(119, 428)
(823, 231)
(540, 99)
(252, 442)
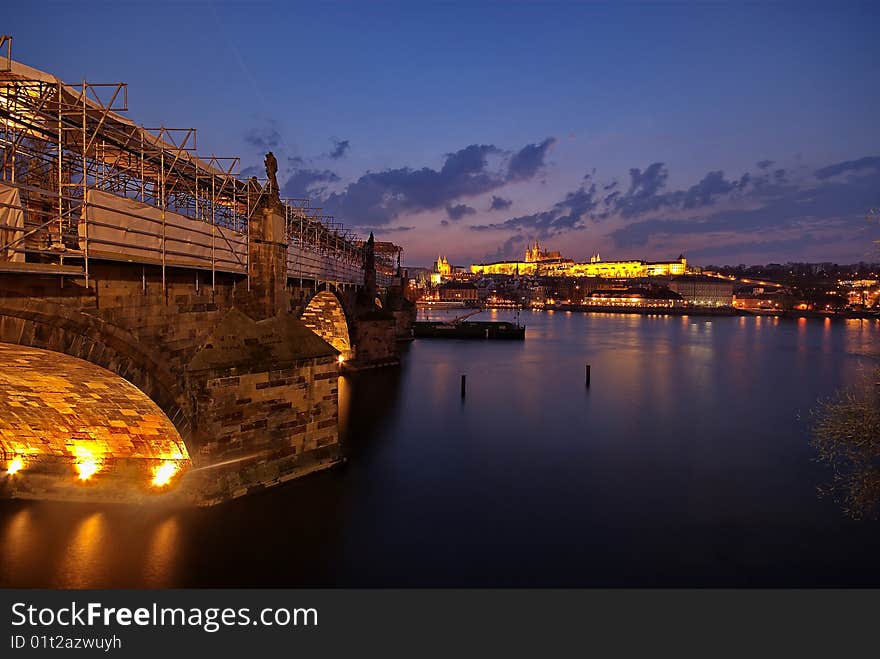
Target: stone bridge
(176, 383)
(168, 330)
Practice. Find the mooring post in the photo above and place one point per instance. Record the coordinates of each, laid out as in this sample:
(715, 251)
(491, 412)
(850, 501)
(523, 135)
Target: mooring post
(587, 381)
(463, 377)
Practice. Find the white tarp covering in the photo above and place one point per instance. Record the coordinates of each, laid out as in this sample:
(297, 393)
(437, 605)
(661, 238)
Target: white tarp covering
(11, 225)
(133, 230)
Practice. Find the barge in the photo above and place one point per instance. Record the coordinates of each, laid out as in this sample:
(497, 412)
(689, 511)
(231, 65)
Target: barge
(469, 330)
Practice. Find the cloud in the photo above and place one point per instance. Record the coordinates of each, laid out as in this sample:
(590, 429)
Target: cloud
(764, 164)
(772, 205)
(868, 162)
(384, 230)
(500, 203)
(378, 198)
(459, 211)
(308, 183)
(718, 215)
(785, 245)
(712, 186)
(509, 249)
(264, 137)
(571, 212)
(529, 160)
(645, 193)
(340, 149)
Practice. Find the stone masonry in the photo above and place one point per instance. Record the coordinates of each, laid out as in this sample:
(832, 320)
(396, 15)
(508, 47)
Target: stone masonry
(250, 389)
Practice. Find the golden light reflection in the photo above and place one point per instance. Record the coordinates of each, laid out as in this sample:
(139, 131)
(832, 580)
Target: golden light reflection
(15, 465)
(17, 544)
(344, 393)
(162, 555)
(163, 473)
(84, 556)
(340, 359)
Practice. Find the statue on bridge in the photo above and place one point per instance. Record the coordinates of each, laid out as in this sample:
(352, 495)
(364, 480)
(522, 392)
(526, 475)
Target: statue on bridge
(273, 190)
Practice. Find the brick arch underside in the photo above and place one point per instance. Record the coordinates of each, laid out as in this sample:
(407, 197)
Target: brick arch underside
(38, 324)
(325, 316)
(57, 406)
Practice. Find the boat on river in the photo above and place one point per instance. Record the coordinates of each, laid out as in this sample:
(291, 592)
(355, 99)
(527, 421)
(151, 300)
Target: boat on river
(469, 330)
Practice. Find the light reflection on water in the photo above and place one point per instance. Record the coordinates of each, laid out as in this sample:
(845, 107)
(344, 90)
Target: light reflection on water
(81, 563)
(162, 555)
(684, 463)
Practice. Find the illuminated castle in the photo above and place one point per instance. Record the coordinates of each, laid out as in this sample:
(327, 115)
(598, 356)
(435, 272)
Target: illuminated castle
(536, 254)
(551, 264)
(442, 267)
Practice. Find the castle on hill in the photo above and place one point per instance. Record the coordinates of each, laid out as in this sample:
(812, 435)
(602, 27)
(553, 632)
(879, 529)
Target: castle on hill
(540, 261)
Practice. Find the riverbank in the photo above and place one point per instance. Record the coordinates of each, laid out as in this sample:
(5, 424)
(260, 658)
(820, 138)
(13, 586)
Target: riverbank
(706, 311)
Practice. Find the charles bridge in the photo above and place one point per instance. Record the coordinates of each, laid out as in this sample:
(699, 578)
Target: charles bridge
(168, 329)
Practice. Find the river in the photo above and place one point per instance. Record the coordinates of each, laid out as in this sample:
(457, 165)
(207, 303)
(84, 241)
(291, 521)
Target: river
(685, 463)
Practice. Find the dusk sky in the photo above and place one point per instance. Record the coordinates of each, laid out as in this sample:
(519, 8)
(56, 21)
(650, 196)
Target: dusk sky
(732, 133)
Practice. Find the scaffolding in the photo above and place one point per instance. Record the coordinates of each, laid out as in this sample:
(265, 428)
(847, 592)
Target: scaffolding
(80, 182)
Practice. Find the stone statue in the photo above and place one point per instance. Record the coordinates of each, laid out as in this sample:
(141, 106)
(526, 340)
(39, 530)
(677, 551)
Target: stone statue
(271, 173)
(370, 268)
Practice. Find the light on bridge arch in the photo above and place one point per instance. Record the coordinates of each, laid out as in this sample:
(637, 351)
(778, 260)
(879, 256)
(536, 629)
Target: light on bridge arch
(107, 436)
(15, 465)
(85, 462)
(163, 473)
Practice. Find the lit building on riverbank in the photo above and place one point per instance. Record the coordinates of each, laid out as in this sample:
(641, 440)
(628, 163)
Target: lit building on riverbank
(455, 291)
(635, 298)
(703, 290)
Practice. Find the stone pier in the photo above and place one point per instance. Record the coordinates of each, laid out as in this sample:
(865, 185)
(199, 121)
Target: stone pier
(247, 387)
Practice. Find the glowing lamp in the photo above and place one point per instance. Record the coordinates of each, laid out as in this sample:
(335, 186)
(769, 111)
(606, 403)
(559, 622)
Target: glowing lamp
(86, 469)
(15, 465)
(340, 359)
(163, 474)
(86, 464)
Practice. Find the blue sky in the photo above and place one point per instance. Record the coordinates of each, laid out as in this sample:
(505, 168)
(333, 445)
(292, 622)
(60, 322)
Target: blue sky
(469, 128)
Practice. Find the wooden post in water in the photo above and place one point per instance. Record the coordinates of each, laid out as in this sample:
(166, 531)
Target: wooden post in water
(587, 381)
(463, 385)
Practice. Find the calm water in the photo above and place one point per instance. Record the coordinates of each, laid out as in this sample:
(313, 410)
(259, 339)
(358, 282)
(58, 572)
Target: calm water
(686, 463)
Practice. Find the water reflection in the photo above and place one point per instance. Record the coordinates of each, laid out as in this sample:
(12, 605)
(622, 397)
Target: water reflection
(685, 463)
(16, 543)
(81, 560)
(162, 554)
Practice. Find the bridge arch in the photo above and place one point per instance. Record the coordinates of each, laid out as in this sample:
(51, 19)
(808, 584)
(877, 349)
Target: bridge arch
(64, 421)
(42, 324)
(325, 316)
